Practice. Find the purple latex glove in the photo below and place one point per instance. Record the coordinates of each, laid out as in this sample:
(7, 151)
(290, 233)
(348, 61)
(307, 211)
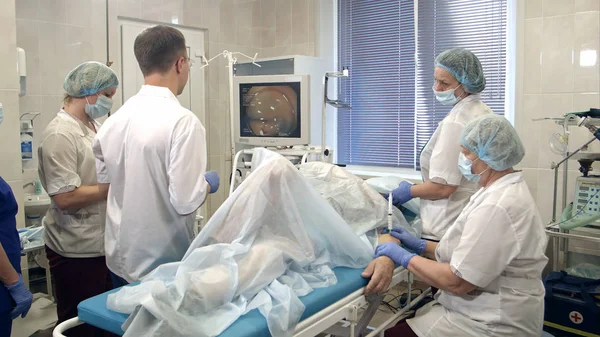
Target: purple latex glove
(22, 297)
(212, 178)
(398, 254)
(401, 194)
(408, 240)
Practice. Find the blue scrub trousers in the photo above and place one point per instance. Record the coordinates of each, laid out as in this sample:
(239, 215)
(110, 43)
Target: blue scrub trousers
(12, 246)
(5, 324)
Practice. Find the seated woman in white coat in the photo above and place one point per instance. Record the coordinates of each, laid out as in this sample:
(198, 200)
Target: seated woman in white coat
(489, 263)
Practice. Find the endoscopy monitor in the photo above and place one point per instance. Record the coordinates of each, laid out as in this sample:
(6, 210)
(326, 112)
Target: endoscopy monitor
(271, 110)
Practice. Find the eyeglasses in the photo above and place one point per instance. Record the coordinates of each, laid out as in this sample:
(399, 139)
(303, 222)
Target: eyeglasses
(191, 62)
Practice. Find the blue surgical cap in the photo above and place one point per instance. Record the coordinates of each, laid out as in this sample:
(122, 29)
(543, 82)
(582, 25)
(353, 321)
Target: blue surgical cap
(494, 140)
(465, 67)
(89, 78)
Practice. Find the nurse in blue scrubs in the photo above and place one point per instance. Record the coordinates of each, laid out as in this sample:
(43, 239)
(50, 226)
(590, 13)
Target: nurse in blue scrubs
(15, 298)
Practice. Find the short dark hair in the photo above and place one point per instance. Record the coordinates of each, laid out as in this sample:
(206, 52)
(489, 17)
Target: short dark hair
(157, 48)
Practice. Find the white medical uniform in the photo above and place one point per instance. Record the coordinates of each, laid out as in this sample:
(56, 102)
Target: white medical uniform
(497, 244)
(153, 154)
(439, 163)
(66, 161)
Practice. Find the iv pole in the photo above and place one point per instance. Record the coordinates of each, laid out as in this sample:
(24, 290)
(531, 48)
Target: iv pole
(231, 60)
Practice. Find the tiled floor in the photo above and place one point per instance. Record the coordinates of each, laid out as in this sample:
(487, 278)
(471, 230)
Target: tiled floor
(41, 316)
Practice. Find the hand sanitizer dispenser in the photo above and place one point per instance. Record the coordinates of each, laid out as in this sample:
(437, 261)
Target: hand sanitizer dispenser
(27, 135)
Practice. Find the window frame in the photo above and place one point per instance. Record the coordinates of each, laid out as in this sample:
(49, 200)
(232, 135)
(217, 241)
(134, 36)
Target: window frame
(510, 103)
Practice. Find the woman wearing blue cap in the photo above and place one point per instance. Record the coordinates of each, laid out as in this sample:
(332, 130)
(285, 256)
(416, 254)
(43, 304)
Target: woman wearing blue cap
(75, 221)
(489, 264)
(458, 80)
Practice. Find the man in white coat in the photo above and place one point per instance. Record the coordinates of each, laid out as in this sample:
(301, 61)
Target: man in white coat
(152, 152)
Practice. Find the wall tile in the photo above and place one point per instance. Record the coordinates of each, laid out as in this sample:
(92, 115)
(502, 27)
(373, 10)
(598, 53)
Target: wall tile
(211, 19)
(529, 130)
(193, 13)
(300, 22)
(10, 149)
(227, 30)
(243, 14)
(223, 75)
(216, 140)
(27, 36)
(130, 8)
(587, 5)
(53, 64)
(552, 106)
(312, 25)
(27, 9)
(30, 103)
(257, 15)
(587, 52)
(586, 101)
(8, 53)
(268, 38)
(557, 54)
(79, 47)
(28, 39)
(531, 178)
(172, 11)
(533, 9)
(283, 23)
(152, 10)
(217, 163)
(557, 7)
(533, 62)
(17, 188)
(54, 11)
(78, 12)
(268, 13)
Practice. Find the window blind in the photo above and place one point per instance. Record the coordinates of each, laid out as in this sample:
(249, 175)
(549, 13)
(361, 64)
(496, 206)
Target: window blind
(477, 25)
(394, 111)
(377, 42)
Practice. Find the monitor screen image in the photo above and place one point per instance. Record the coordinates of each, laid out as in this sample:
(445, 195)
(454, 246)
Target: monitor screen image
(270, 110)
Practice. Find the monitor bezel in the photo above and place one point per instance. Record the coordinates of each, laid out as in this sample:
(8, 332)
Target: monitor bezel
(304, 138)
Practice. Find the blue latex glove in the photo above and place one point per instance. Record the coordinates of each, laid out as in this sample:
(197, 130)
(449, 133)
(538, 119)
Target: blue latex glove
(22, 297)
(410, 241)
(398, 254)
(212, 178)
(401, 194)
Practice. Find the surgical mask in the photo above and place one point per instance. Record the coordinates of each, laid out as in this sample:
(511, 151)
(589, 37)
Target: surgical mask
(100, 109)
(446, 97)
(465, 166)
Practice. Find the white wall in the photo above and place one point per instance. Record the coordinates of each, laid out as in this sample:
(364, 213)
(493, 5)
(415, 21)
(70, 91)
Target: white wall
(59, 34)
(554, 83)
(10, 149)
(552, 35)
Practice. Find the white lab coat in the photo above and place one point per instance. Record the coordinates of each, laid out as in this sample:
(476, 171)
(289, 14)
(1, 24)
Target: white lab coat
(497, 244)
(439, 163)
(66, 162)
(153, 154)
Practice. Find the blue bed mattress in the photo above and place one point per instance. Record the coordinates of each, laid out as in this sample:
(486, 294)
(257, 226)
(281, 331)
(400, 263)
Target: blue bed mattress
(94, 312)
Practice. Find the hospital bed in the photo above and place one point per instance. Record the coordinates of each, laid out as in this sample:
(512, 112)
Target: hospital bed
(341, 309)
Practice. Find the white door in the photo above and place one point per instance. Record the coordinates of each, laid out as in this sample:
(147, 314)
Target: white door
(192, 97)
